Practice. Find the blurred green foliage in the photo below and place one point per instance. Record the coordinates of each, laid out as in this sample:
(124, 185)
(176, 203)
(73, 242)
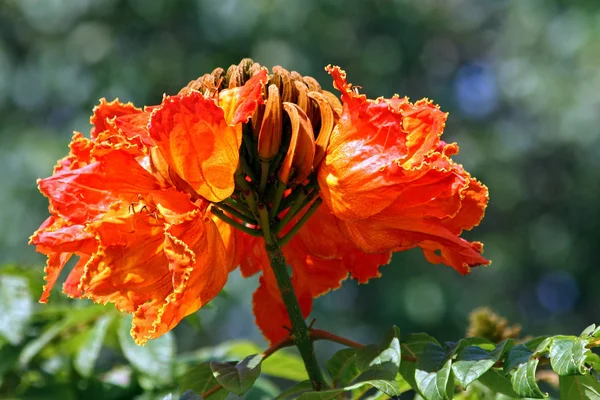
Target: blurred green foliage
(520, 79)
(74, 350)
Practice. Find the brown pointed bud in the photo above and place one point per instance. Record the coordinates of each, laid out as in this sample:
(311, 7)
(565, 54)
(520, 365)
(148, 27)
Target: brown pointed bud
(303, 100)
(327, 124)
(286, 87)
(298, 162)
(256, 120)
(334, 102)
(269, 137)
(295, 76)
(312, 84)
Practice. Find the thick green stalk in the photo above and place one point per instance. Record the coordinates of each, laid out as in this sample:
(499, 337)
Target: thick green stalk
(300, 334)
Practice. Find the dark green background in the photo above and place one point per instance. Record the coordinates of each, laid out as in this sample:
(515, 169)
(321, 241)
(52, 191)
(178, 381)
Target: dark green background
(519, 78)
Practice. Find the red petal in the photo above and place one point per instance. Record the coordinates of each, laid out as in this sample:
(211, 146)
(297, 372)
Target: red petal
(396, 232)
(240, 103)
(193, 136)
(82, 194)
(270, 312)
(108, 110)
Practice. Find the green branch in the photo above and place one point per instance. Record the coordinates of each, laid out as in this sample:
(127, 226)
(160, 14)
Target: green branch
(300, 333)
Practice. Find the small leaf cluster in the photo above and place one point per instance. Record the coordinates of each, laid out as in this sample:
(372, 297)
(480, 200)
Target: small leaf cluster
(75, 349)
(469, 369)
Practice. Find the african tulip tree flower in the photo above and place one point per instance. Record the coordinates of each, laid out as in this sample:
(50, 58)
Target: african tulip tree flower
(243, 167)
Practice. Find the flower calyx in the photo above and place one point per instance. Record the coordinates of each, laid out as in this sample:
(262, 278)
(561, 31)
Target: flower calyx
(282, 146)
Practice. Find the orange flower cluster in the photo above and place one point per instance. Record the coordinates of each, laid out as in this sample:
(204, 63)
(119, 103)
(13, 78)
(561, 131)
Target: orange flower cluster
(161, 203)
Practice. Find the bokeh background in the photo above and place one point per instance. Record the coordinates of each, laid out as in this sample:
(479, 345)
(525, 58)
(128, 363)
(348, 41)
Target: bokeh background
(521, 80)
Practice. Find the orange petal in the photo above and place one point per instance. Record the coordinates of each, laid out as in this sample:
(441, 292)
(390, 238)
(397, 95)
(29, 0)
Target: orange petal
(327, 255)
(270, 312)
(193, 136)
(394, 231)
(159, 272)
(54, 265)
(376, 146)
(474, 201)
(59, 240)
(228, 236)
(71, 285)
(251, 254)
(108, 110)
(198, 264)
(79, 156)
(240, 103)
(135, 126)
(318, 274)
(130, 267)
(82, 194)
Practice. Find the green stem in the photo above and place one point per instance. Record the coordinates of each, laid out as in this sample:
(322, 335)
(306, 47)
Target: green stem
(239, 205)
(300, 333)
(286, 238)
(277, 199)
(264, 175)
(221, 215)
(247, 169)
(236, 213)
(241, 182)
(263, 218)
(293, 210)
(250, 198)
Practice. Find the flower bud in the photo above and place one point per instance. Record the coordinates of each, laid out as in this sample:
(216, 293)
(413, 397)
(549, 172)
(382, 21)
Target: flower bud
(269, 137)
(298, 162)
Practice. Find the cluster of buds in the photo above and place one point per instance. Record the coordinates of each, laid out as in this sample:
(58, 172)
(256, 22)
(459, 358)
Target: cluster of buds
(282, 145)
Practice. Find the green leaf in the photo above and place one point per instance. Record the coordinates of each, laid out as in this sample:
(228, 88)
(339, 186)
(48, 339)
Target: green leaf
(16, 306)
(237, 378)
(262, 389)
(323, 395)
(433, 373)
(568, 355)
(282, 364)
(200, 379)
(518, 355)
(305, 386)
(382, 361)
(286, 365)
(77, 317)
(390, 388)
(582, 387)
(543, 347)
(473, 361)
(480, 342)
(589, 331)
(497, 382)
(8, 358)
(155, 359)
(342, 367)
(190, 395)
(413, 347)
(534, 343)
(523, 380)
(593, 360)
(90, 349)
